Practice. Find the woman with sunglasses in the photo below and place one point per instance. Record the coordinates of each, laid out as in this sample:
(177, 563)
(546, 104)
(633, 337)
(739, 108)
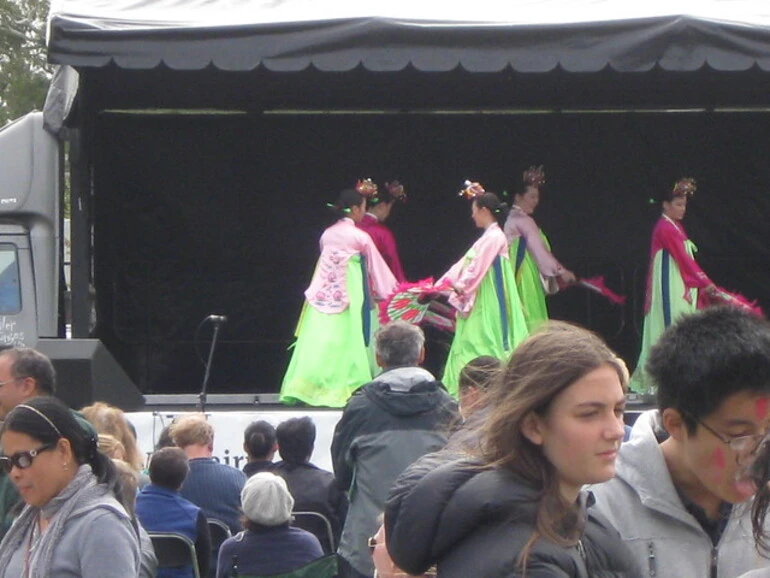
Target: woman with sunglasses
(514, 504)
(72, 524)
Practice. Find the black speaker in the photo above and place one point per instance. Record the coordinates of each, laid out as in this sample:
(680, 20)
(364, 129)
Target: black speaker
(86, 372)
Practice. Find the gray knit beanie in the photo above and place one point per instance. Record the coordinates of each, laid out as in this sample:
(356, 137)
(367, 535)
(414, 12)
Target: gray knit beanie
(266, 499)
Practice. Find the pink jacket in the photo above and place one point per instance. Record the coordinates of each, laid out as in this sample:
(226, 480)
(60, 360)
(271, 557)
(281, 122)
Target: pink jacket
(466, 275)
(328, 291)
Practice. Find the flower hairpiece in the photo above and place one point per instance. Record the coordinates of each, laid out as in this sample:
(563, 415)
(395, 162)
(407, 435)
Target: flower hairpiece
(534, 176)
(684, 187)
(471, 190)
(366, 187)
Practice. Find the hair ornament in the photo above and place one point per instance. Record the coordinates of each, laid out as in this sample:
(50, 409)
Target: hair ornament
(534, 176)
(396, 191)
(471, 190)
(684, 187)
(366, 187)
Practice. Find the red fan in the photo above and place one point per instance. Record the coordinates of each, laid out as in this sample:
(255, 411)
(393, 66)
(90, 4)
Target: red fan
(417, 303)
(596, 284)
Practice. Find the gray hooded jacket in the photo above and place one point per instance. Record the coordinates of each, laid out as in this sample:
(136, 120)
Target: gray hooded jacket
(388, 423)
(665, 539)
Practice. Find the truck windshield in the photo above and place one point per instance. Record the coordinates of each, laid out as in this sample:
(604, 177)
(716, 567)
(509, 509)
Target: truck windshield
(10, 291)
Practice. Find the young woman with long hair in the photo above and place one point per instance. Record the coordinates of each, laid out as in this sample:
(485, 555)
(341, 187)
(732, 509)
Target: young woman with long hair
(514, 505)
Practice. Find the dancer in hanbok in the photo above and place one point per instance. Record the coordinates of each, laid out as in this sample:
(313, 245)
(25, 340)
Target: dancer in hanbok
(490, 320)
(536, 270)
(333, 354)
(675, 282)
(378, 208)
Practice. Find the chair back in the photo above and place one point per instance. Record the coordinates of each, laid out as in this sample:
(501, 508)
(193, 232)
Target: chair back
(325, 567)
(319, 525)
(174, 551)
(219, 532)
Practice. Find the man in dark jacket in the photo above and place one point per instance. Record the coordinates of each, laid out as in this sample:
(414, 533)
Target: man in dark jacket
(314, 490)
(403, 414)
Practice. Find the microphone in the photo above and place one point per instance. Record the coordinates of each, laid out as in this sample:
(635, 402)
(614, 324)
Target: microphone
(217, 319)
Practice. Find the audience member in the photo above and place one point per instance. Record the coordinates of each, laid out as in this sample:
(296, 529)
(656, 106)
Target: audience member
(130, 485)
(516, 507)
(160, 508)
(384, 566)
(269, 545)
(313, 489)
(111, 447)
(387, 424)
(759, 471)
(259, 445)
(680, 476)
(110, 420)
(473, 381)
(72, 524)
(214, 487)
(24, 373)
(164, 439)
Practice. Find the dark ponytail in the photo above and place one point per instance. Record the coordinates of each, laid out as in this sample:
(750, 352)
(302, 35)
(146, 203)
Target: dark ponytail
(491, 202)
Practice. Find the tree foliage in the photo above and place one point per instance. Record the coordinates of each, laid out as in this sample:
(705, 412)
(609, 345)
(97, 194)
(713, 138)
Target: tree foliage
(24, 71)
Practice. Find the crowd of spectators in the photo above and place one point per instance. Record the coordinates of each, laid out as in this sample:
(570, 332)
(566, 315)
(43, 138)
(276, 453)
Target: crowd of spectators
(529, 476)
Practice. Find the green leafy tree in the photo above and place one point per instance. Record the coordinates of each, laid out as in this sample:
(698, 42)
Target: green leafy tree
(24, 71)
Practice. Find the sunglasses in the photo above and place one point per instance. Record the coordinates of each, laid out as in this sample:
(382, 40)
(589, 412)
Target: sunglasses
(372, 543)
(22, 460)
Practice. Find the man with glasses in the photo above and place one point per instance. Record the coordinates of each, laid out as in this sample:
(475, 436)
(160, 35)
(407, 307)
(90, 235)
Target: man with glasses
(681, 482)
(24, 373)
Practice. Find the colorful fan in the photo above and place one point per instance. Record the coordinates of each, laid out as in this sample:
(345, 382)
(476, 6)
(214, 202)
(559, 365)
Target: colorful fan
(723, 297)
(417, 303)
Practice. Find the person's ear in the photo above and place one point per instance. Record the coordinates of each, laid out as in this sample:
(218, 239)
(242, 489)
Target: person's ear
(29, 387)
(674, 424)
(378, 359)
(64, 448)
(532, 428)
(421, 358)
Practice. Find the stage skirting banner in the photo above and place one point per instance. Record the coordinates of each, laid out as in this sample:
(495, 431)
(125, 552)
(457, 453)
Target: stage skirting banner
(229, 427)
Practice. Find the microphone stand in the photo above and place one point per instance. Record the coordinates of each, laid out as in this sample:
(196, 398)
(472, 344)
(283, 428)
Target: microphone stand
(202, 395)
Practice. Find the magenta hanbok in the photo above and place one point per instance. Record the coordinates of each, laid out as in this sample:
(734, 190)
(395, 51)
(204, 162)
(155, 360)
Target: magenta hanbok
(386, 243)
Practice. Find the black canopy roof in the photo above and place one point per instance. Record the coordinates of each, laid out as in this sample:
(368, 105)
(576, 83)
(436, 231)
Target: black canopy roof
(429, 36)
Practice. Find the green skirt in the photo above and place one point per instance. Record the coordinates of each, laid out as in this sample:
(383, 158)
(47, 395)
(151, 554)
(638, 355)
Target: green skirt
(529, 283)
(667, 304)
(482, 331)
(330, 359)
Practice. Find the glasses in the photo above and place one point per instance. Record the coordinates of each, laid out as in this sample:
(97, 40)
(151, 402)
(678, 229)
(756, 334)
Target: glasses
(2, 383)
(22, 460)
(372, 543)
(742, 446)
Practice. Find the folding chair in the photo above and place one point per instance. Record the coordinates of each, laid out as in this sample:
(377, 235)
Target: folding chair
(174, 551)
(319, 525)
(219, 532)
(325, 567)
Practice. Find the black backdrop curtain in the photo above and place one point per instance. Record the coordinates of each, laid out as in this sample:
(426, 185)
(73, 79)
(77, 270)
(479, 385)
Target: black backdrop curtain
(222, 213)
